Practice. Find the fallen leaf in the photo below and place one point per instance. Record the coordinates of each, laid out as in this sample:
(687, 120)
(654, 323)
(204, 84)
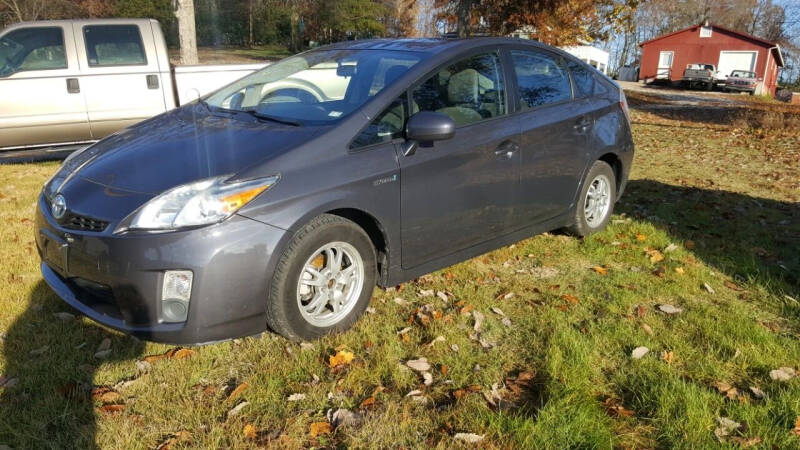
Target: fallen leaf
(343, 418)
(601, 270)
(466, 310)
(640, 237)
(400, 301)
(732, 286)
(746, 442)
(498, 311)
(112, 409)
(670, 248)
(425, 293)
(479, 317)
(757, 392)
(571, 299)
(667, 357)
(688, 244)
(103, 354)
(442, 296)
(679, 270)
(237, 391)
(341, 358)
(669, 309)
(613, 408)
(296, 397)
(639, 352)
(237, 409)
(796, 429)
(249, 431)
(470, 438)
(173, 439)
(414, 393)
(708, 288)
(443, 370)
(420, 365)
(655, 255)
(367, 402)
(104, 345)
(726, 389)
(641, 310)
(427, 378)
(725, 428)
(782, 374)
(647, 329)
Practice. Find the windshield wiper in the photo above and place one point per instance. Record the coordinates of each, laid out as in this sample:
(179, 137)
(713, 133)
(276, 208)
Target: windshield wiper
(262, 116)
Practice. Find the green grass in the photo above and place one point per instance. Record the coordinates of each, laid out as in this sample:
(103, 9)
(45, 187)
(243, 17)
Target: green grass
(232, 55)
(726, 196)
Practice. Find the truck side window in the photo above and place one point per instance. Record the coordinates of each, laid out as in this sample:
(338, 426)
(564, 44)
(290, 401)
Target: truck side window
(387, 126)
(114, 45)
(34, 48)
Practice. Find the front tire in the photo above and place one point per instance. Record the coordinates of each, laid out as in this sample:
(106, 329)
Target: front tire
(596, 200)
(323, 281)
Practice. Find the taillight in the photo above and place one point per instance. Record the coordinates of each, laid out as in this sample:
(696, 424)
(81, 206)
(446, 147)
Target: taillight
(623, 103)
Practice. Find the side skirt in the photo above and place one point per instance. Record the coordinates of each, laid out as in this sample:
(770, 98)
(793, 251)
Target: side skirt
(399, 275)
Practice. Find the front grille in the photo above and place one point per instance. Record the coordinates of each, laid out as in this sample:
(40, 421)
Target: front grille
(83, 223)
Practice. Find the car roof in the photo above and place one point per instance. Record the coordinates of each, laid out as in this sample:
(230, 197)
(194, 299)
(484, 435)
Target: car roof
(431, 45)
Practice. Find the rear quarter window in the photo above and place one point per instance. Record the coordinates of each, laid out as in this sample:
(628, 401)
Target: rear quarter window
(583, 80)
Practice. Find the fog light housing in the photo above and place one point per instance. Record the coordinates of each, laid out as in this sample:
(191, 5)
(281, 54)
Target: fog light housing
(176, 293)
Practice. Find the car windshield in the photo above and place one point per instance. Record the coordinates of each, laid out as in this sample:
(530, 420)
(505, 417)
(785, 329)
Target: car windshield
(743, 74)
(314, 87)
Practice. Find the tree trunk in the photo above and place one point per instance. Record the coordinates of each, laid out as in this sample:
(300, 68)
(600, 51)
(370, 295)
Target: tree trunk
(186, 31)
(463, 17)
(251, 40)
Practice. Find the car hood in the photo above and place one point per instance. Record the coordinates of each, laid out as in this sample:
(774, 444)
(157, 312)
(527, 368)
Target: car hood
(183, 146)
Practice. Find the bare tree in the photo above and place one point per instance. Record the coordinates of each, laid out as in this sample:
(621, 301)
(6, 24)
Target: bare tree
(22, 10)
(187, 35)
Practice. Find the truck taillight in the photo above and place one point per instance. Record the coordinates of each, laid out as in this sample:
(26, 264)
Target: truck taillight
(623, 103)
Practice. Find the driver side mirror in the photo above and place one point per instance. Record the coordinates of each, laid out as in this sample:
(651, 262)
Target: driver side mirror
(426, 127)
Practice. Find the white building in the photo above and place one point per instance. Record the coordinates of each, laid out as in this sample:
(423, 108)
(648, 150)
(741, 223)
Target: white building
(593, 56)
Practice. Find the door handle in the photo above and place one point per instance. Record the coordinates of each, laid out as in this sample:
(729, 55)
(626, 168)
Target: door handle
(583, 124)
(152, 82)
(506, 150)
(73, 86)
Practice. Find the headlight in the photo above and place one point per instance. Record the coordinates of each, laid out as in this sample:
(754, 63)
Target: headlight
(199, 203)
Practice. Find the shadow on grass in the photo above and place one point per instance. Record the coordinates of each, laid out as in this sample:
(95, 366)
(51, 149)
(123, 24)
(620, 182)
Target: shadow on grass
(54, 363)
(753, 239)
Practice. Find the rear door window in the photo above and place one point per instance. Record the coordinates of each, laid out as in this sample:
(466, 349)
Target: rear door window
(34, 48)
(114, 45)
(541, 78)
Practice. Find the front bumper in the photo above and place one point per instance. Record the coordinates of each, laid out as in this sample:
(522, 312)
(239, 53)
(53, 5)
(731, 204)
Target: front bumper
(116, 279)
(734, 87)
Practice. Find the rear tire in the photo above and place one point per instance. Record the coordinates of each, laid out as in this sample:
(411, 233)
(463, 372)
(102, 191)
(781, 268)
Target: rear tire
(323, 281)
(596, 201)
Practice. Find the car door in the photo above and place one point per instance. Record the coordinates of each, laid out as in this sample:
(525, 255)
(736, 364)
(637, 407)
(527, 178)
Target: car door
(39, 101)
(554, 130)
(121, 80)
(462, 191)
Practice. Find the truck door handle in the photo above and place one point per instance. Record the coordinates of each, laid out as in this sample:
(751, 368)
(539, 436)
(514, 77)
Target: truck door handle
(506, 150)
(73, 86)
(152, 82)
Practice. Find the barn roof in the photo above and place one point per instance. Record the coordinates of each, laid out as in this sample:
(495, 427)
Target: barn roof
(772, 45)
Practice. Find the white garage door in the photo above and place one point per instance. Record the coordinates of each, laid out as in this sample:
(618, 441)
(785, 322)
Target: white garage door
(730, 61)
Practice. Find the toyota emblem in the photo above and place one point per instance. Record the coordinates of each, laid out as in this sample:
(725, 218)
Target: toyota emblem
(59, 206)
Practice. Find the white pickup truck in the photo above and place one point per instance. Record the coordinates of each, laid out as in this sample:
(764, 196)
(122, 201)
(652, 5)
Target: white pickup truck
(66, 84)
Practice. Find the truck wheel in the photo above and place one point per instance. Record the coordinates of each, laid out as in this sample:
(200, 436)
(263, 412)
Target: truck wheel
(596, 201)
(323, 281)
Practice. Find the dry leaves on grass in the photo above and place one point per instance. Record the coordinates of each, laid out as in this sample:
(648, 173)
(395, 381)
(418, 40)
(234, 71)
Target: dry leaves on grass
(726, 389)
(319, 428)
(655, 255)
(601, 270)
(796, 429)
(782, 374)
(341, 358)
(175, 353)
(614, 409)
(181, 437)
(237, 391)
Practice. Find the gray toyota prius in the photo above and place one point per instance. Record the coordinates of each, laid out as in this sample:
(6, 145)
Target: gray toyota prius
(280, 201)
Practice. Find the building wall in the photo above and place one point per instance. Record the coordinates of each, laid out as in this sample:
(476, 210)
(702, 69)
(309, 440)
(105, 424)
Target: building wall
(689, 47)
(594, 56)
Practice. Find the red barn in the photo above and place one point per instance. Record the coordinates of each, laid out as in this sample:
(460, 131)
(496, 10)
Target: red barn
(665, 57)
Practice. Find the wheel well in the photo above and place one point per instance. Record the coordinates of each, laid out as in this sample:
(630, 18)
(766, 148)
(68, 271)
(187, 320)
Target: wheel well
(616, 165)
(375, 232)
